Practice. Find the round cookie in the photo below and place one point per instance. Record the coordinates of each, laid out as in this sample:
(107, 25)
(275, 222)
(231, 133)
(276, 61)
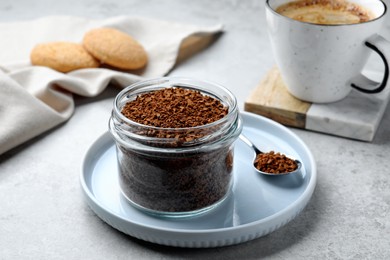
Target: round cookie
(115, 48)
(62, 56)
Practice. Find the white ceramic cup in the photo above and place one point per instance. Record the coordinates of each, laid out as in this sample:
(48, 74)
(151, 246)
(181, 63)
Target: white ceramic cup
(322, 63)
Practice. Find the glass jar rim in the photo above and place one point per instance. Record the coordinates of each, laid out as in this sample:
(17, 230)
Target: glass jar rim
(131, 134)
(179, 82)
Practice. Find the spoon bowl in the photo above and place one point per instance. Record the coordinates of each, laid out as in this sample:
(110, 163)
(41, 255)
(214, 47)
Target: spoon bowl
(258, 151)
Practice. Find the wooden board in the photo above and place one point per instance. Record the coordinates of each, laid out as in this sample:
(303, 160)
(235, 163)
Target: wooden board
(271, 99)
(194, 44)
(346, 118)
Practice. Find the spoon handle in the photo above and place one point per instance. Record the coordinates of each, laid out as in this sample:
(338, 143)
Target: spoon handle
(249, 143)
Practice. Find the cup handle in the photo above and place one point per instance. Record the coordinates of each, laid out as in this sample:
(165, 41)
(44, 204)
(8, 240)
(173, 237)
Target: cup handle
(379, 45)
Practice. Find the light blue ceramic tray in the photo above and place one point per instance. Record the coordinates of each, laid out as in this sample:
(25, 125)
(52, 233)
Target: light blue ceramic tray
(256, 206)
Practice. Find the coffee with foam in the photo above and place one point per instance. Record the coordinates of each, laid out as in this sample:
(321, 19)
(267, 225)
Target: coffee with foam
(329, 12)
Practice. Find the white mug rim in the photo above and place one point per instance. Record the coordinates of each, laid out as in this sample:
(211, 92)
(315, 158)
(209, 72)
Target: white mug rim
(328, 25)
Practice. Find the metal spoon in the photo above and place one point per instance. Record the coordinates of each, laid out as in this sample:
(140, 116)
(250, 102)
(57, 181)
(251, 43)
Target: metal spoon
(257, 151)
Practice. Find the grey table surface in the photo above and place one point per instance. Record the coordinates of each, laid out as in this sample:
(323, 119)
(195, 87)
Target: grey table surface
(43, 214)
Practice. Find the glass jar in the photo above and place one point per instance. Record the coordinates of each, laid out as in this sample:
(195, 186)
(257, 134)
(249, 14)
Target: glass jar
(169, 178)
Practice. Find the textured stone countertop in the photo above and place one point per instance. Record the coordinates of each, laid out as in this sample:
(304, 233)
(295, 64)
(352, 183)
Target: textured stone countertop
(43, 214)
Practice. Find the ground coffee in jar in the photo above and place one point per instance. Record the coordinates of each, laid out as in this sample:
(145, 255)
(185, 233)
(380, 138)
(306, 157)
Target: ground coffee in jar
(175, 144)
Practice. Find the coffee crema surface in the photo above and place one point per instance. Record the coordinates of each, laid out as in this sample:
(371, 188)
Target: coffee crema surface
(329, 12)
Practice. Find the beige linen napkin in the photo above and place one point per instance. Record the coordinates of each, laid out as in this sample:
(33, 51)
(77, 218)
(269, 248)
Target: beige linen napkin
(34, 99)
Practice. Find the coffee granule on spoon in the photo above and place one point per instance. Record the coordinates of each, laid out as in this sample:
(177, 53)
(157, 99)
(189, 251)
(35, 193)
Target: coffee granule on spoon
(276, 163)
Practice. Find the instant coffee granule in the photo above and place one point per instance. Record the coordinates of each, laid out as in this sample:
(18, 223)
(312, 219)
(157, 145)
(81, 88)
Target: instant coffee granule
(173, 182)
(272, 162)
(176, 184)
(174, 108)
